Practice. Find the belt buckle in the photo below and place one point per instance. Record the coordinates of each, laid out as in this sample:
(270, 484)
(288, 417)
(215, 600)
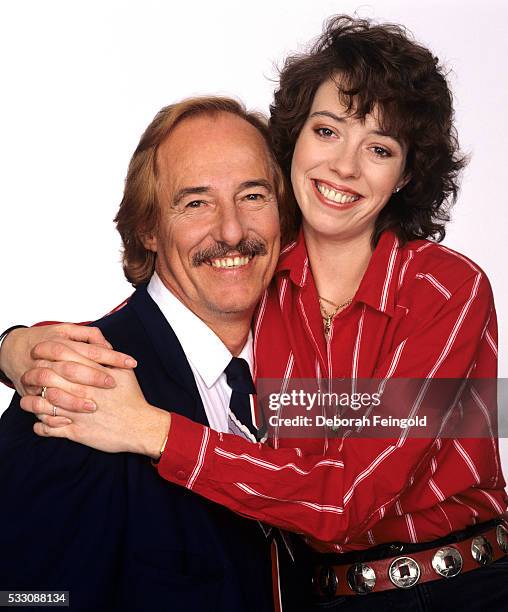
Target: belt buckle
(502, 537)
(447, 562)
(361, 578)
(327, 582)
(404, 572)
(481, 549)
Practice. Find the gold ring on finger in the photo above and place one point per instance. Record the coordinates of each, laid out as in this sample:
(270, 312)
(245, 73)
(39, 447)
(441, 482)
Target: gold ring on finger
(44, 391)
(54, 410)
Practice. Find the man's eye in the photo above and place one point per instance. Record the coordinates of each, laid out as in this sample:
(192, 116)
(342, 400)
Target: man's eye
(255, 197)
(194, 204)
(381, 151)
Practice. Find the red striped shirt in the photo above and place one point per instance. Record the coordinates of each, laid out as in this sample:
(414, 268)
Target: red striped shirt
(421, 311)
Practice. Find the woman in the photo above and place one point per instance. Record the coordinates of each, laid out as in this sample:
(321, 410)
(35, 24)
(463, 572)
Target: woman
(362, 124)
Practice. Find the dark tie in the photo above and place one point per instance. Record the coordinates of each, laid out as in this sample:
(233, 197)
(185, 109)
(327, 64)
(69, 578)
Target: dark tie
(240, 380)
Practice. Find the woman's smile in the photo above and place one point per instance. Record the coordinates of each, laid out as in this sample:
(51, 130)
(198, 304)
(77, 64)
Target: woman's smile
(336, 196)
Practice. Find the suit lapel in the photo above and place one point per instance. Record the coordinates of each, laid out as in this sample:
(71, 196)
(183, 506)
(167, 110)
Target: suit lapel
(169, 350)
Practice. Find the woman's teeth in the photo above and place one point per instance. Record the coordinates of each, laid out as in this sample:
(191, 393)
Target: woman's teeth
(336, 196)
(230, 262)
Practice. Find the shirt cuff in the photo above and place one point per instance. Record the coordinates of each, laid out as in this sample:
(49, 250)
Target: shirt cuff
(187, 447)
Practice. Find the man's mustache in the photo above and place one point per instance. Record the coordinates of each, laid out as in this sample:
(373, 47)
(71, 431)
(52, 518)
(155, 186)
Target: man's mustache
(246, 248)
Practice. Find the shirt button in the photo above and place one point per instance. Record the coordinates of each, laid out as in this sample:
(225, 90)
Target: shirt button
(181, 475)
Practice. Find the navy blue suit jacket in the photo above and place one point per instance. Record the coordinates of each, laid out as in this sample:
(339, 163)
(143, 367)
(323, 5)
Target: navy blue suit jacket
(105, 526)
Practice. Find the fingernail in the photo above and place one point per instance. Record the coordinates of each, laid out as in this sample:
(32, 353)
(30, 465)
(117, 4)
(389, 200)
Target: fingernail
(67, 421)
(89, 405)
(109, 381)
(130, 363)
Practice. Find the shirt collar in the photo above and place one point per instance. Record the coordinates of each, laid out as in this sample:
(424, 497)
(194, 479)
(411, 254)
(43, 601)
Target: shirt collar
(378, 285)
(294, 258)
(202, 347)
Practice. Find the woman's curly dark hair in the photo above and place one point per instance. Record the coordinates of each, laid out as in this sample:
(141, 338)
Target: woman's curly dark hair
(382, 67)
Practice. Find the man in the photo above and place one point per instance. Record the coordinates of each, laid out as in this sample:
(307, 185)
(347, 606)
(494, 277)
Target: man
(200, 204)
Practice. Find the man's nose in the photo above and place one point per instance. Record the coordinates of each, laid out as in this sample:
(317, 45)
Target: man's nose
(230, 227)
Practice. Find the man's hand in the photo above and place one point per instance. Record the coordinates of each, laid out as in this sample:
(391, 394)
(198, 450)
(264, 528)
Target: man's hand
(123, 421)
(24, 349)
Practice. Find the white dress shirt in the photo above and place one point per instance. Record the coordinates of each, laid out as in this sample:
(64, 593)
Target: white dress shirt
(205, 352)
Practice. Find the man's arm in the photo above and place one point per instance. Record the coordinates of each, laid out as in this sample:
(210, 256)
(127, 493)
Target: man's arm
(22, 348)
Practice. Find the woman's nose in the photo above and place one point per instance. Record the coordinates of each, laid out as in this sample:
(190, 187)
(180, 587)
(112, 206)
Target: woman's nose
(345, 161)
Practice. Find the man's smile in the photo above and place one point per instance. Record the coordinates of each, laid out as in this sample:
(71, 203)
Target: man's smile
(230, 262)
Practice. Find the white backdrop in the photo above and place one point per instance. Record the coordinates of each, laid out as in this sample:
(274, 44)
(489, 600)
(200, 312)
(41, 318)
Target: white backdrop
(80, 80)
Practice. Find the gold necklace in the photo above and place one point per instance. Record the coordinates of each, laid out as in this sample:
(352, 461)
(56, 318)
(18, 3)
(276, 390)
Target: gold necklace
(328, 316)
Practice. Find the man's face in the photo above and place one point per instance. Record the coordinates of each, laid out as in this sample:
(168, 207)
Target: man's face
(217, 241)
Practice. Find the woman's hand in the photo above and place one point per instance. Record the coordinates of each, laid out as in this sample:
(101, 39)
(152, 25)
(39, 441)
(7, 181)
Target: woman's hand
(123, 421)
(24, 349)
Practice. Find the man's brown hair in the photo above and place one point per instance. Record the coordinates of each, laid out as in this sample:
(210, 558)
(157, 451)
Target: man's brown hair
(139, 210)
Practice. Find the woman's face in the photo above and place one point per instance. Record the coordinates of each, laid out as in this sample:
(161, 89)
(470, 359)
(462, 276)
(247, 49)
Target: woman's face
(344, 170)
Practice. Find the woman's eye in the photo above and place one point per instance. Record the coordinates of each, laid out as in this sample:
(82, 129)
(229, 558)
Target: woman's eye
(194, 204)
(324, 132)
(381, 151)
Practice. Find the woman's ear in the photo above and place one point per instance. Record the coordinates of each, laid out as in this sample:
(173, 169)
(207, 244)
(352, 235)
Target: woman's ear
(402, 183)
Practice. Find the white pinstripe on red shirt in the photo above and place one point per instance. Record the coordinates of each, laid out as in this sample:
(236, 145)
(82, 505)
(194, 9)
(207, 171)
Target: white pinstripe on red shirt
(422, 311)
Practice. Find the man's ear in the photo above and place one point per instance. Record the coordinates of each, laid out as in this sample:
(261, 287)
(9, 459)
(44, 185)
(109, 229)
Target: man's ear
(149, 242)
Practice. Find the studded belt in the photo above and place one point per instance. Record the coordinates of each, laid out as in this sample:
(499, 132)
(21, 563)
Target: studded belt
(406, 571)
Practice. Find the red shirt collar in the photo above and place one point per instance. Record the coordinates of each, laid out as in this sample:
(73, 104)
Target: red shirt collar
(378, 285)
